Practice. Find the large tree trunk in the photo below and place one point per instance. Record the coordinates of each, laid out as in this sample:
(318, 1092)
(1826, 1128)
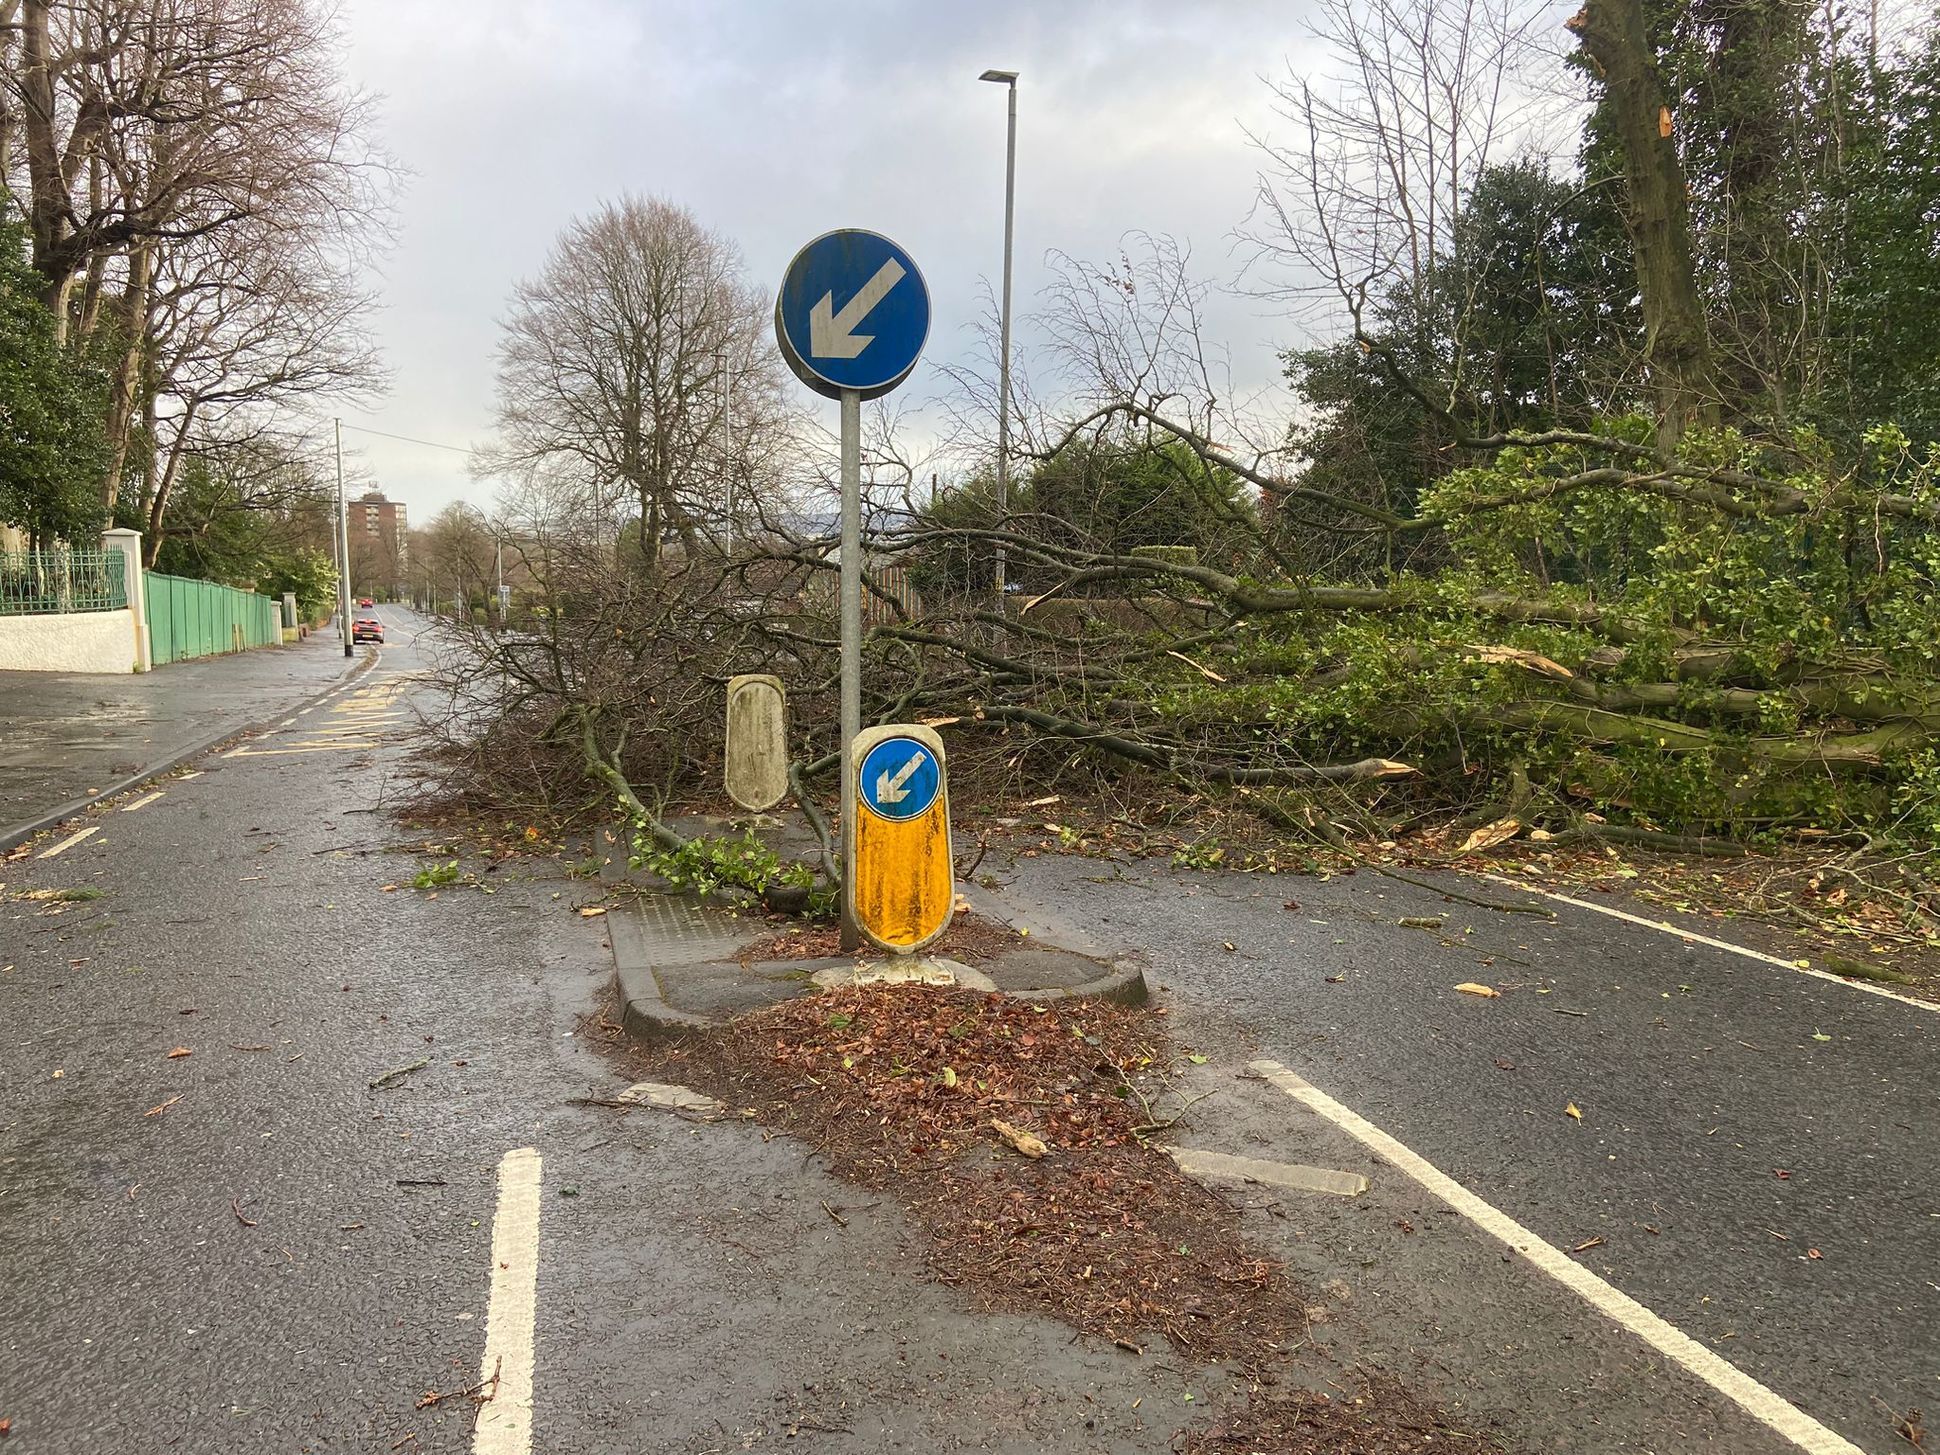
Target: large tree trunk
(48, 200)
(129, 372)
(1656, 215)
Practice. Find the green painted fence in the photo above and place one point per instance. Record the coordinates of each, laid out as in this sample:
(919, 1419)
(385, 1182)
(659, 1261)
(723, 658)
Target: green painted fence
(201, 619)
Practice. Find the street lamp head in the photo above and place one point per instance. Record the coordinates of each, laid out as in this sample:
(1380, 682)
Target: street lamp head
(1007, 78)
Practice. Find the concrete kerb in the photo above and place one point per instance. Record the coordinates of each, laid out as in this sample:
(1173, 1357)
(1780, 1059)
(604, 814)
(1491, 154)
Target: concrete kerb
(16, 834)
(644, 1012)
(647, 1013)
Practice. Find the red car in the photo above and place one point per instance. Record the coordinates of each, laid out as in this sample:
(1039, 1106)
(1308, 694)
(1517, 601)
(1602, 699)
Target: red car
(365, 601)
(367, 629)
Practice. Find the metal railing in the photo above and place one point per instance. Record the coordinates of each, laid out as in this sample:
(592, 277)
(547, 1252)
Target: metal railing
(43, 583)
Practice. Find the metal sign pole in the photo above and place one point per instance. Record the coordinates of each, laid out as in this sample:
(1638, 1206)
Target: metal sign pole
(343, 543)
(850, 319)
(851, 610)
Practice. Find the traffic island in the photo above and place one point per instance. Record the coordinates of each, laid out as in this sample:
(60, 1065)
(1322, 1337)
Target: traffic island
(1018, 1140)
(682, 963)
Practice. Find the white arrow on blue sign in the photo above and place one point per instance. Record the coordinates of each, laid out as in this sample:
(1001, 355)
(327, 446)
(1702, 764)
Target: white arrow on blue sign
(853, 314)
(899, 779)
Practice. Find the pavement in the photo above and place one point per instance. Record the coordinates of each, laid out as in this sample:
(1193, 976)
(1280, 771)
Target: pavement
(65, 735)
(393, 1162)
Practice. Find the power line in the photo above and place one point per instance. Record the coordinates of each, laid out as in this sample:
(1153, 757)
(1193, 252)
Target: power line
(407, 439)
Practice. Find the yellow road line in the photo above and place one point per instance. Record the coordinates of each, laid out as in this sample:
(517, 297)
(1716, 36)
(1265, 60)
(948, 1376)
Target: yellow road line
(304, 748)
(70, 841)
(141, 802)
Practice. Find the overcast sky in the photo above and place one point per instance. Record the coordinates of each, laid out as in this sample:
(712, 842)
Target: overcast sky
(776, 120)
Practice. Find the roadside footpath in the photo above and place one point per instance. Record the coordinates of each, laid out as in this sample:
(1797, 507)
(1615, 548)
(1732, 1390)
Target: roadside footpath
(66, 738)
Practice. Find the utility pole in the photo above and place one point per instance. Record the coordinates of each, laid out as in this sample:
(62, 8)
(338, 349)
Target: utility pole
(343, 546)
(1007, 79)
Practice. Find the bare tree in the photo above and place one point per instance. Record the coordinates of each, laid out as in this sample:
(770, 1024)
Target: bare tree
(242, 324)
(636, 364)
(155, 131)
(1364, 198)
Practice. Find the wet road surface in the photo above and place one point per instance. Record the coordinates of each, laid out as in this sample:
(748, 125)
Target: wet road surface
(1755, 1154)
(375, 1180)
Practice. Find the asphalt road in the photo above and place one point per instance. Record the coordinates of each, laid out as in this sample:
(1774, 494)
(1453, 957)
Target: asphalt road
(1756, 1149)
(251, 1248)
(296, 1237)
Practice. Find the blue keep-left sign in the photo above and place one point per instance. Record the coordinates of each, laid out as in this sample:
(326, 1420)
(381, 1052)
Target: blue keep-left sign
(899, 779)
(853, 313)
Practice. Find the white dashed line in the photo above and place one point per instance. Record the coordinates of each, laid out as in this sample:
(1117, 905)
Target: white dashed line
(1771, 1410)
(1693, 937)
(141, 802)
(70, 841)
(505, 1420)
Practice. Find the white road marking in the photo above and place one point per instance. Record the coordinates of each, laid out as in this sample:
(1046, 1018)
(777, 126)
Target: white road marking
(1693, 937)
(141, 802)
(1291, 1175)
(70, 841)
(1771, 1410)
(505, 1421)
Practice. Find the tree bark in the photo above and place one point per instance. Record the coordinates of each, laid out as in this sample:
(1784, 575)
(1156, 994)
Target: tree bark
(130, 366)
(1657, 216)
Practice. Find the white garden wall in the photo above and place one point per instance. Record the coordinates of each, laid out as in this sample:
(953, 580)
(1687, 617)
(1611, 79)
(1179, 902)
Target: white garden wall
(81, 641)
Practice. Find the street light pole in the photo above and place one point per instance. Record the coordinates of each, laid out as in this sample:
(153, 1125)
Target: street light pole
(343, 547)
(1007, 79)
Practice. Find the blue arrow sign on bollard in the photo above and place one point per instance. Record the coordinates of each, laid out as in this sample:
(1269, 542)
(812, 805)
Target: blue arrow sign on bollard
(852, 314)
(899, 779)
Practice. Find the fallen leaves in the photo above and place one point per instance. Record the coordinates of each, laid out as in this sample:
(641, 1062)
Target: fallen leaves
(179, 1052)
(1028, 1143)
(1573, 1112)
(1470, 987)
(591, 911)
(1102, 1231)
